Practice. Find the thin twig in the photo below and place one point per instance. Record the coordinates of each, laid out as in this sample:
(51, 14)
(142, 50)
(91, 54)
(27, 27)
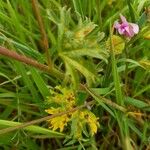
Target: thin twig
(23, 125)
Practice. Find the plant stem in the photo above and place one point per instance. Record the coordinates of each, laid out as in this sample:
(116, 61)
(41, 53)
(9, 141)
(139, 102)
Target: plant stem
(12, 54)
(44, 40)
(9, 129)
(112, 104)
(105, 100)
(118, 92)
(126, 70)
(99, 9)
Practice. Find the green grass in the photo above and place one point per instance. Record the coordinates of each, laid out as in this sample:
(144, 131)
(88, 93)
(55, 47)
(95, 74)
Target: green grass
(71, 43)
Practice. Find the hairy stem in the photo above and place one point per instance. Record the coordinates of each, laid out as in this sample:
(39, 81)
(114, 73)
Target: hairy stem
(14, 55)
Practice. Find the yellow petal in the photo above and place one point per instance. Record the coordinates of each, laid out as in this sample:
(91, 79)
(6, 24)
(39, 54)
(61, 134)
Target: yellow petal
(59, 122)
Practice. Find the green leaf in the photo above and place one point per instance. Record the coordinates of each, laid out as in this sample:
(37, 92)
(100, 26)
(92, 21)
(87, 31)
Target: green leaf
(74, 75)
(100, 102)
(86, 72)
(40, 83)
(101, 91)
(134, 128)
(32, 128)
(27, 81)
(142, 20)
(93, 52)
(135, 102)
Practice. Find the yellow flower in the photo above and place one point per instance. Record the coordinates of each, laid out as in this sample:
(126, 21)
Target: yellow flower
(93, 126)
(91, 121)
(53, 110)
(59, 122)
(84, 117)
(65, 100)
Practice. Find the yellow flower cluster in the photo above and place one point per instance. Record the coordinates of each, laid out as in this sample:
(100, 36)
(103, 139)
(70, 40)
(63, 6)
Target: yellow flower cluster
(59, 122)
(65, 100)
(84, 117)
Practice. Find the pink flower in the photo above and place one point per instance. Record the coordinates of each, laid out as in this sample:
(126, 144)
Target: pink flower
(126, 28)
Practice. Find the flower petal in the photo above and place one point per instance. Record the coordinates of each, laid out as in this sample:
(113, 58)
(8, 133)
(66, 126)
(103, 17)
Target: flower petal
(135, 27)
(129, 31)
(121, 31)
(124, 24)
(126, 28)
(123, 19)
(117, 25)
